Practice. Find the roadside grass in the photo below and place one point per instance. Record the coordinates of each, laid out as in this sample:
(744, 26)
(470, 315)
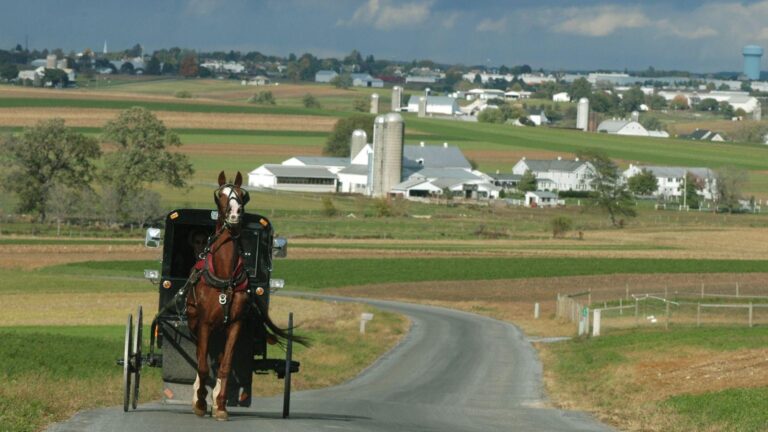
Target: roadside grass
(68, 241)
(742, 410)
(316, 274)
(51, 372)
(601, 374)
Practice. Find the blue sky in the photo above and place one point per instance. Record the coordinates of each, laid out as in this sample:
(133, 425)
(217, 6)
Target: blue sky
(700, 36)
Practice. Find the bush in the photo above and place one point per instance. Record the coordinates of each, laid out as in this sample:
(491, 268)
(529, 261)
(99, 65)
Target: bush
(183, 94)
(560, 226)
(574, 194)
(361, 104)
(328, 208)
(491, 115)
(310, 101)
(263, 98)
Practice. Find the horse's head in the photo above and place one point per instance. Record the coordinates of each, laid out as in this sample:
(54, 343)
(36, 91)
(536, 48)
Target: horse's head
(231, 199)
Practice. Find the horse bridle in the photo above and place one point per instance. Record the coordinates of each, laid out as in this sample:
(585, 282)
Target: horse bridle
(232, 196)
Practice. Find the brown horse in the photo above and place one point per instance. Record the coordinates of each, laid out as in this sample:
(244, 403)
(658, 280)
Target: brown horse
(219, 302)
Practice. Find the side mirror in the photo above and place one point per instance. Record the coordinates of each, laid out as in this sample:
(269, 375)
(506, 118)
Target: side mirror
(152, 238)
(280, 247)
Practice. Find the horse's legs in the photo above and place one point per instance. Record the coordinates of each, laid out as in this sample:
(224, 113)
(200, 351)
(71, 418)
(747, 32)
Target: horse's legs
(220, 392)
(199, 391)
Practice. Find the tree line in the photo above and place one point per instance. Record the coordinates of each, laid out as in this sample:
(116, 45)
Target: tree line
(56, 172)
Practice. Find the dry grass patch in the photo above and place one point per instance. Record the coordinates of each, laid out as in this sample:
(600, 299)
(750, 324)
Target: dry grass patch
(94, 117)
(29, 257)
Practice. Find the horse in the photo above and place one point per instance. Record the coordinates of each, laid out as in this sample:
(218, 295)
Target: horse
(219, 300)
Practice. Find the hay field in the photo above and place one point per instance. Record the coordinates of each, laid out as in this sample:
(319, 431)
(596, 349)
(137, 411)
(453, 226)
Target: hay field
(91, 117)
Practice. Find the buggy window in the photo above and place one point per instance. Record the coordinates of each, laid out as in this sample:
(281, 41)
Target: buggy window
(187, 240)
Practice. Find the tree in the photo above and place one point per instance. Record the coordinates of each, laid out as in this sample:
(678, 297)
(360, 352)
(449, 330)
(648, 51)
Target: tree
(730, 182)
(338, 143)
(691, 188)
(310, 101)
(8, 71)
(657, 102)
(708, 104)
(153, 66)
(644, 183)
(560, 226)
(652, 123)
(343, 81)
(56, 77)
(42, 156)
(603, 102)
(632, 99)
(679, 102)
(527, 182)
(188, 67)
(751, 132)
(581, 88)
(142, 156)
(611, 194)
(491, 115)
(127, 68)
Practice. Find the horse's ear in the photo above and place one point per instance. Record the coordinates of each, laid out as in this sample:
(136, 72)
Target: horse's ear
(222, 179)
(238, 179)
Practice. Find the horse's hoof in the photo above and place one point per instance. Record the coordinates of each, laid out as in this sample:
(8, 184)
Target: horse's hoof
(200, 410)
(221, 415)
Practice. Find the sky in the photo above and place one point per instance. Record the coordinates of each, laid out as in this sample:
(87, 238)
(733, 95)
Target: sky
(698, 36)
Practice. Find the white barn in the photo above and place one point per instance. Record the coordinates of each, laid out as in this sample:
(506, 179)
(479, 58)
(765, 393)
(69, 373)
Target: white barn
(436, 105)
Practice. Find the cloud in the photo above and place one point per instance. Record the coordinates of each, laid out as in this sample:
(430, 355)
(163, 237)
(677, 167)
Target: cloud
(492, 25)
(600, 21)
(384, 15)
(203, 7)
(449, 21)
(685, 31)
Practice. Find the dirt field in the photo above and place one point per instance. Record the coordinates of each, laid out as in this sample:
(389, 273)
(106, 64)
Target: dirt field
(28, 257)
(86, 117)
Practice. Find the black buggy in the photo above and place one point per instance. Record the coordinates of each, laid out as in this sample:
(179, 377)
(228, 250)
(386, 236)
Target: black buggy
(171, 345)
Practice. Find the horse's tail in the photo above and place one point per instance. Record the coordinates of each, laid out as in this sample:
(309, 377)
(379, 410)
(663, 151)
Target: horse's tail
(281, 333)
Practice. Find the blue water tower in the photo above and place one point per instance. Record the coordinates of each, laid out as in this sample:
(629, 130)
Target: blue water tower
(752, 56)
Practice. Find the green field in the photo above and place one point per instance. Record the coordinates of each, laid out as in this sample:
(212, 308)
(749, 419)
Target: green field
(315, 274)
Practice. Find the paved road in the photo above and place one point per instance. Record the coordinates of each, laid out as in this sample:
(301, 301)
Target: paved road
(453, 372)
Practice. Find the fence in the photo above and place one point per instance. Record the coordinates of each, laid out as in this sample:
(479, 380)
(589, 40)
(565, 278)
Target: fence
(713, 304)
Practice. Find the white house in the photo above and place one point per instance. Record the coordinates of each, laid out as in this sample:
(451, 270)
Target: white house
(670, 180)
(541, 199)
(558, 174)
(561, 97)
(439, 105)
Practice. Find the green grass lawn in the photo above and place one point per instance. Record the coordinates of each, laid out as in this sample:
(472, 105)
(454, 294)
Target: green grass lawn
(316, 274)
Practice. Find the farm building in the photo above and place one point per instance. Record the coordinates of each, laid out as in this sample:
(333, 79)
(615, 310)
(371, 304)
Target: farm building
(561, 97)
(484, 94)
(541, 199)
(436, 105)
(423, 170)
(628, 127)
(558, 174)
(325, 76)
(366, 80)
(670, 180)
(704, 135)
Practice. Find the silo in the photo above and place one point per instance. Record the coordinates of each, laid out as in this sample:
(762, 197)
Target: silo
(50, 61)
(358, 141)
(582, 114)
(397, 98)
(757, 114)
(375, 103)
(422, 106)
(635, 116)
(387, 167)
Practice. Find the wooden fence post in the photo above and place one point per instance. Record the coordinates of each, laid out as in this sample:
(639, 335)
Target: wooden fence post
(750, 314)
(667, 325)
(702, 290)
(698, 315)
(596, 323)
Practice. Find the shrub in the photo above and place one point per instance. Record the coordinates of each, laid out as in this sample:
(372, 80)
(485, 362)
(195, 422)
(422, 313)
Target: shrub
(183, 94)
(328, 208)
(560, 226)
(310, 101)
(361, 104)
(263, 98)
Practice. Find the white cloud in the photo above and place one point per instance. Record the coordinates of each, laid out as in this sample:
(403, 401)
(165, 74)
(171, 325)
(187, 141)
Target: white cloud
(600, 20)
(203, 7)
(449, 21)
(384, 15)
(492, 25)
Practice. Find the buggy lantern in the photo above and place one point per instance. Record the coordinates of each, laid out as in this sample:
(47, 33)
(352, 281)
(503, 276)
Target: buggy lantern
(280, 247)
(152, 239)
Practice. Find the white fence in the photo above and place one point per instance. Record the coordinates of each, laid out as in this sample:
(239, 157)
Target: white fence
(724, 304)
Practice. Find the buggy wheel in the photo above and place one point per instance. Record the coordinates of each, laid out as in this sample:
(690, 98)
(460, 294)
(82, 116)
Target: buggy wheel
(127, 363)
(288, 358)
(137, 356)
